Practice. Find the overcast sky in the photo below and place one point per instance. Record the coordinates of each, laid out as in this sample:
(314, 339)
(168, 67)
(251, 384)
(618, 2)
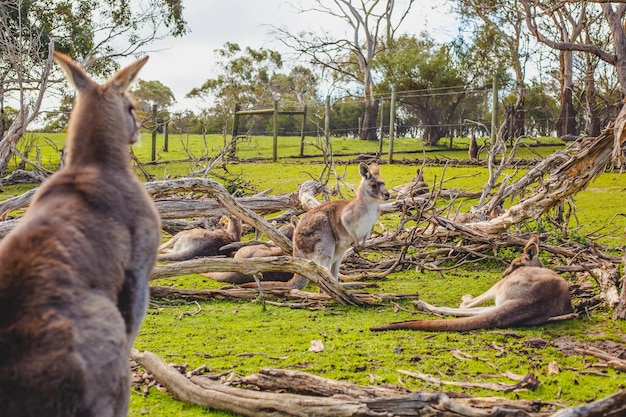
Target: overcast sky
(187, 62)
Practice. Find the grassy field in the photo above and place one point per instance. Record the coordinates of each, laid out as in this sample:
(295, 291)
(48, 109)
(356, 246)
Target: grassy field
(242, 337)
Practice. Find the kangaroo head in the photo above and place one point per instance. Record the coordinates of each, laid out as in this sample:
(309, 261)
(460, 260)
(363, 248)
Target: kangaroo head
(372, 185)
(419, 176)
(103, 118)
(529, 258)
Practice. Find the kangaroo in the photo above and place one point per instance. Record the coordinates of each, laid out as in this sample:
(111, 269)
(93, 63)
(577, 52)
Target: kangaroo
(257, 251)
(417, 186)
(463, 218)
(473, 149)
(193, 243)
(74, 276)
(528, 294)
(325, 232)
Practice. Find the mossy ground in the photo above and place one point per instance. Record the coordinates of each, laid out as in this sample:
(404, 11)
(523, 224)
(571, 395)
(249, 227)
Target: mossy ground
(243, 337)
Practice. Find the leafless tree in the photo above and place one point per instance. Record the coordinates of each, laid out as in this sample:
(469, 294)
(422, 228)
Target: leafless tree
(94, 33)
(372, 25)
(613, 53)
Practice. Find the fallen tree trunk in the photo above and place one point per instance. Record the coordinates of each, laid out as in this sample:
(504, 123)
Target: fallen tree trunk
(305, 298)
(311, 395)
(570, 176)
(204, 392)
(308, 269)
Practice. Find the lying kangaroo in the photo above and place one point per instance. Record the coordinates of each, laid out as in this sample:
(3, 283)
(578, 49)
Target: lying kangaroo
(257, 251)
(193, 243)
(325, 232)
(74, 276)
(528, 294)
(415, 187)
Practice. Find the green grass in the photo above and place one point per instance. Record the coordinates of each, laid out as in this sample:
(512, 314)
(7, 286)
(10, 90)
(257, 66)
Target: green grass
(242, 337)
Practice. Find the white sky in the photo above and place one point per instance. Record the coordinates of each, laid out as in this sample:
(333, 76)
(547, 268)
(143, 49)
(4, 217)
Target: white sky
(185, 63)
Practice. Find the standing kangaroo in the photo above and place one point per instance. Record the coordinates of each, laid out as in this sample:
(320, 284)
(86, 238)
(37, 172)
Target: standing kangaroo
(192, 243)
(74, 275)
(528, 294)
(326, 232)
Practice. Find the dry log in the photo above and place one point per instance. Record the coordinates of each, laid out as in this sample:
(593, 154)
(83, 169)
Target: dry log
(620, 309)
(572, 175)
(306, 268)
(529, 381)
(308, 384)
(239, 293)
(15, 203)
(207, 393)
(202, 391)
(607, 276)
(614, 405)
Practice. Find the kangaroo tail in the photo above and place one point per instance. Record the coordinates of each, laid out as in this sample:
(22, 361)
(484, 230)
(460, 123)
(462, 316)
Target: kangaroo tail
(506, 315)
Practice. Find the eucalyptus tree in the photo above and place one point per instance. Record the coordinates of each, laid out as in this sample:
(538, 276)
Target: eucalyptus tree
(90, 31)
(243, 79)
(604, 34)
(563, 24)
(149, 94)
(436, 86)
(506, 19)
(371, 26)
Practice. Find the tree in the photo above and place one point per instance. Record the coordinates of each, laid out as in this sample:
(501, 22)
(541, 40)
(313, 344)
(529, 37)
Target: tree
(613, 53)
(149, 94)
(430, 82)
(351, 59)
(243, 79)
(505, 18)
(89, 31)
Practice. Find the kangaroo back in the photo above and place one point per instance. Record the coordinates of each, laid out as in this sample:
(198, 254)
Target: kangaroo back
(74, 277)
(193, 243)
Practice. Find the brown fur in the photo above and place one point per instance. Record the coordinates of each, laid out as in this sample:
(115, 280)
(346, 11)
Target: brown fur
(257, 251)
(325, 232)
(74, 277)
(471, 217)
(194, 243)
(528, 294)
(473, 149)
(416, 187)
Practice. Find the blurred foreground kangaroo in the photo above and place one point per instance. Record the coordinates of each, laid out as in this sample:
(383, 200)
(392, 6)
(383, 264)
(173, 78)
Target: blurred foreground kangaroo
(257, 251)
(74, 277)
(528, 294)
(192, 243)
(326, 232)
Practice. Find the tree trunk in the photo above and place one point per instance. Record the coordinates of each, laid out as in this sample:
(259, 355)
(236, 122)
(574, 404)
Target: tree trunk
(369, 127)
(595, 124)
(566, 123)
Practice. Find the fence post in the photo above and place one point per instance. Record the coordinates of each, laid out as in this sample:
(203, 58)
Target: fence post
(381, 109)
(232, 149)
(154, 131)
(275, 122)
(392, 122)
(494, 109)
(166, 137)
(327, 124)
(302, 131)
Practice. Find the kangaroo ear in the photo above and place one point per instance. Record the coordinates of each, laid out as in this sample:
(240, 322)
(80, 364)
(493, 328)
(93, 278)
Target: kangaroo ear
(374, 169)
(125, 77)
(364, 171)
(74, 74)
(531, 250)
